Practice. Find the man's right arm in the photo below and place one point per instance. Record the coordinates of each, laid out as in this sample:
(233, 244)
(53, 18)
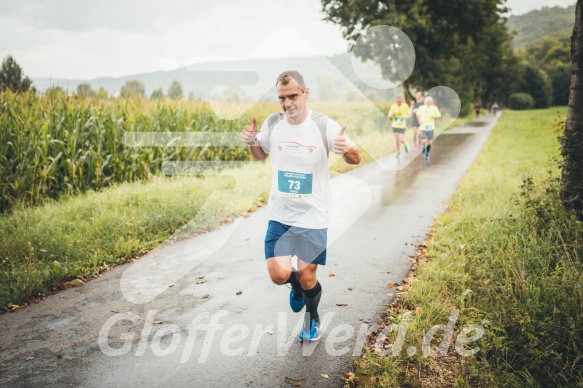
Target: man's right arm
(257, 152)
(249, 136)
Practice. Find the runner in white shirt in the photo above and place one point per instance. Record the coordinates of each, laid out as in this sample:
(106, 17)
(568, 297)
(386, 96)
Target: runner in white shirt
(300, 198)
(427, 114)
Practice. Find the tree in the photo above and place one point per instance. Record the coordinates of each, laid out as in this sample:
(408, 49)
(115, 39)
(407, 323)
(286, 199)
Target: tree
(520, 101)
(84, 90)
(55, 92)
(453, 39)
(175, 91)
(536, 82)
(572, 141)
(553, 55)
(102, 93)
(501, 70)
(157, 94)
(560, 75)
(132, 89)
(12, 77)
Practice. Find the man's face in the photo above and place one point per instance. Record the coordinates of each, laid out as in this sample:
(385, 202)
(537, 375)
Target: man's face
(293, 100)
(399, 100)
(428, 101)
(418, 96)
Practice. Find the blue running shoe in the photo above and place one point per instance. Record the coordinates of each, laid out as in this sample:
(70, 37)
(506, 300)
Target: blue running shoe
(398, 154)
(407, 148)
(296, 304)
(423, 150)
(427, 156)
(314, 333)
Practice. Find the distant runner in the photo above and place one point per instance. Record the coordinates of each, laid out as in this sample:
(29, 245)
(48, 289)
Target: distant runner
(495, 108)
(298, 141)
(398, 114)
(415, 121)
(426, 114)
(477, 109)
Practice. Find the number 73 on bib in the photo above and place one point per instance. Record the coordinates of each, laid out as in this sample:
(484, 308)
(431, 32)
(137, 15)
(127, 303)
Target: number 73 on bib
(294, 183)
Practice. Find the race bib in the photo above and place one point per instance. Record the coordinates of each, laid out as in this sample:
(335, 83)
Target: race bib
(398, 119)
(294, 183)
(428, 127)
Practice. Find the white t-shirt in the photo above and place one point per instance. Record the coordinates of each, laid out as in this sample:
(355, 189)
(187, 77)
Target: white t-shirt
(300, 190)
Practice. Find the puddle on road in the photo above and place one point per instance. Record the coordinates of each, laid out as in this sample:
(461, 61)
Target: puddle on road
(476, 124)
(397, 183)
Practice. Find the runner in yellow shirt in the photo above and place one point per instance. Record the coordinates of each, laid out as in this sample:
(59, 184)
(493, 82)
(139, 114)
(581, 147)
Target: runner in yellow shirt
(398, 114)
(426, 115)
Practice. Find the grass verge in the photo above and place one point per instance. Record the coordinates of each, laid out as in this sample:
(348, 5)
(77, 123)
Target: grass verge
(80, 236)
(507, 258)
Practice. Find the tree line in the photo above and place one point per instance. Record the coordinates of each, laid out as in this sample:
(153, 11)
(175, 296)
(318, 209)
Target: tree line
(12, 78)
(134, 89)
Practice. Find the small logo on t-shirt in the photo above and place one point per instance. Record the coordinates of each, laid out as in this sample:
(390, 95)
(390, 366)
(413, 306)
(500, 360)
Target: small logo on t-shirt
(294, 148)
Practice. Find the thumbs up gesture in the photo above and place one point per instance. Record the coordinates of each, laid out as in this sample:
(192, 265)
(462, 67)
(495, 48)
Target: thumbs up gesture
(340, 146)
(249, 133)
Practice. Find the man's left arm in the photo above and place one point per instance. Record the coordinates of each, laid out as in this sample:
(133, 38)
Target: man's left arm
(352, 156)
(346, 148)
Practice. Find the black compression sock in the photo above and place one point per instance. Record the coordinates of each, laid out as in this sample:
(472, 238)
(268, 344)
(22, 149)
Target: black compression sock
(428, 148)
(295, 283)
(313, 299)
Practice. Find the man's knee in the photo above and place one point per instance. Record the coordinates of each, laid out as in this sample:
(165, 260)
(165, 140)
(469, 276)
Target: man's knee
(279, 269)
(307, 278)
(279, 275)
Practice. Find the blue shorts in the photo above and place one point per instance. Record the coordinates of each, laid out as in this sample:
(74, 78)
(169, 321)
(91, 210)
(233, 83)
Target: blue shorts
(309, 245)
(427, 134)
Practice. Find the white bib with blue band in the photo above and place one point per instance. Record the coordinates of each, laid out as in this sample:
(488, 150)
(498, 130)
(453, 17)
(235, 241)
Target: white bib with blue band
(294, 184)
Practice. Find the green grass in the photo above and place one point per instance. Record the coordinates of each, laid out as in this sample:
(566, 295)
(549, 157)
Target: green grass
(83, 235)
(508, 258)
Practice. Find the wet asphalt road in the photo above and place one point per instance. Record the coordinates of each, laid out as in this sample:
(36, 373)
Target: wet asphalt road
(151, 324)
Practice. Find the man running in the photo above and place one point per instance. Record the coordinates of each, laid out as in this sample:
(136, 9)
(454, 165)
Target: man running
(298, 141)
(477, 109)
(495, 108)
(399, 113)
(415, 122)
(426, 114)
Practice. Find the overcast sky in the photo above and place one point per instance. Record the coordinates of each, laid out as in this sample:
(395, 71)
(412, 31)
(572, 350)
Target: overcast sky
(87, 39)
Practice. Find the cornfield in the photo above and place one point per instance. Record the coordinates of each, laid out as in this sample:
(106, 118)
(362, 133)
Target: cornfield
(60, 144)
(51, 145)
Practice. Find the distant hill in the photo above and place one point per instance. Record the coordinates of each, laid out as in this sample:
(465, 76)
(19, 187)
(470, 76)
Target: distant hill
(545, 22)
(329, 78)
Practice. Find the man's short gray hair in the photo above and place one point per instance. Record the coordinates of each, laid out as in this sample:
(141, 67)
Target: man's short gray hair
(285, 77)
